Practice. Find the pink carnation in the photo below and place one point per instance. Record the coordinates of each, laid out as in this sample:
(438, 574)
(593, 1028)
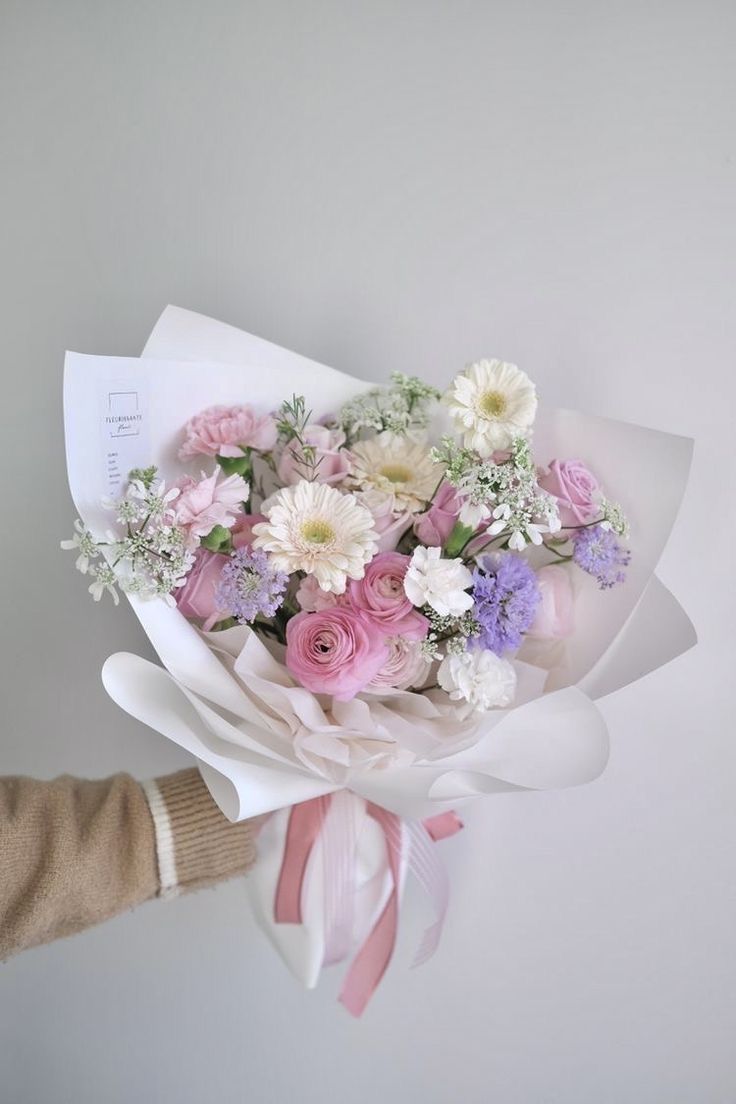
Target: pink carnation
(211, 501)
(227, 431)
(333, 462)
(381, 599)
(196, 599)
(435, 525)
(334, 652)
(575, 488)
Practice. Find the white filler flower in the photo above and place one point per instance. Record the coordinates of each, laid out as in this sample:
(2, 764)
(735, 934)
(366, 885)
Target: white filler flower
(314, 528)
(397, 467)
(439, 583)
(479, 678)
(493, 403)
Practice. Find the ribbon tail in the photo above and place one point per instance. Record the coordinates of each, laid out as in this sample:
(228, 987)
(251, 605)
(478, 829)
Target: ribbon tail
(339, 842)
(371, 961)
(305, 824)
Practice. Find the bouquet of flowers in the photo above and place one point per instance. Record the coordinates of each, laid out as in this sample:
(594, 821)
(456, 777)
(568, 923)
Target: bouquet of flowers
(369, 612)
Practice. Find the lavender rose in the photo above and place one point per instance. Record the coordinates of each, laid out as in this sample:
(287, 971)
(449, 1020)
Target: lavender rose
(434, 526)
(332, 462)
(575, 488)
(197, 598)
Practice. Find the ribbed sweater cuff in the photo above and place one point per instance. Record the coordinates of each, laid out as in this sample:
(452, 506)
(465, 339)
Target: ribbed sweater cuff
(196, 845)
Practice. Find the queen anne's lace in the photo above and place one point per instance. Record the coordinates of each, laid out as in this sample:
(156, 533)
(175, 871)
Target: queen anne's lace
(152, 559)
(507, 492)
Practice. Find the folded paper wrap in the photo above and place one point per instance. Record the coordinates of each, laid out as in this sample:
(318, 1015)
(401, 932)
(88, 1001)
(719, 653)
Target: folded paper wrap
(264, 743)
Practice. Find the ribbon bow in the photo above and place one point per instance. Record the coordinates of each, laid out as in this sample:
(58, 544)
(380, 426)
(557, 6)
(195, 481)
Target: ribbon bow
(407, 840)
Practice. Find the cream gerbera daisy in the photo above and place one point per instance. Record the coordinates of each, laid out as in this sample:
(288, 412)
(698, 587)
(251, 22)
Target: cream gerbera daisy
(314, 528)
(396, 467)
(493, 403)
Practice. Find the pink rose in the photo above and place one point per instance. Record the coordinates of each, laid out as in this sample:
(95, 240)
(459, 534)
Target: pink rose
(242, 531)
(381, 599)
(574, 487)
(389, 524)
(312, 598)
(555, 613)
(227, 431)
(211, 501)
(334, 652)
(405, 666)
(435, 525)
(334, 462)
(196, 598)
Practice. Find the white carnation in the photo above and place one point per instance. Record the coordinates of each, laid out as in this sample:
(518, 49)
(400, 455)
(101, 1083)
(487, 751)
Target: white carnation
(479, 678)
(442, 584)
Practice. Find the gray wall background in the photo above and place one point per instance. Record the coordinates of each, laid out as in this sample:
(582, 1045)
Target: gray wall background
(387, 185)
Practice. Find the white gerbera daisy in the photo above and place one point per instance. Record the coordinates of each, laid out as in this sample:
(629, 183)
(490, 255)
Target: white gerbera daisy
(314, 528)
(493, 403)
(398, 468)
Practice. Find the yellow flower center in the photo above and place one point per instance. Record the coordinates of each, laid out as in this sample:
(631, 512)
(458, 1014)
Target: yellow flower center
(396, 473)
(492, 404)
(317, 531)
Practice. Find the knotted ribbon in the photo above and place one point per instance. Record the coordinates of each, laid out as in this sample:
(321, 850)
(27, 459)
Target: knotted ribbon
(306, 822)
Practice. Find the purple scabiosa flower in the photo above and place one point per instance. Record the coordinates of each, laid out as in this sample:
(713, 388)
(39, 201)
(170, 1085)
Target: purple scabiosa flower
(505, 597)
(598, 552)
(249, 585)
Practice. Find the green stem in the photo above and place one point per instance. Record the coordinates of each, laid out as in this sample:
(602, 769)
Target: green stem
(498, 537)
(432, 497)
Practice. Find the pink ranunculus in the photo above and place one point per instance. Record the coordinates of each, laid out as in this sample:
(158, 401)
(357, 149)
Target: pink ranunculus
(574, 487)
(388, 523)
(333, 463)
(226, 431)
(381, 599)
(555, 613)
(404, 668)
(211, 501)
(435, 525)
(242, 530)
(335, 651)
(196, 599)
(312, 598)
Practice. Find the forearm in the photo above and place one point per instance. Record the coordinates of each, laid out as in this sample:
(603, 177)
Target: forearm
(74, 852)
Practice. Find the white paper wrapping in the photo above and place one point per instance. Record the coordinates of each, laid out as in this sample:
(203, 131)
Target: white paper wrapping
(220, 704)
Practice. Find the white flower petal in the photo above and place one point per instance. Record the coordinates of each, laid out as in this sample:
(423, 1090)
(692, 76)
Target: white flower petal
(439, 583)
(493, 403)
(313, 527)
(479, 678)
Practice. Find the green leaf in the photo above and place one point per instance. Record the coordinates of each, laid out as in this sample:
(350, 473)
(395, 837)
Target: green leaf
(218, 540)
(457, 540)
(236, 465)
(228, 623)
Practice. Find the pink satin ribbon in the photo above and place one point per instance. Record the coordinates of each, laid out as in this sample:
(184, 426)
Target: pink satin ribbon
(306, 821)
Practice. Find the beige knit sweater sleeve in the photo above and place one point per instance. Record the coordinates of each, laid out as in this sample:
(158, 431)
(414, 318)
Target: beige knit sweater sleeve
(76, 852)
